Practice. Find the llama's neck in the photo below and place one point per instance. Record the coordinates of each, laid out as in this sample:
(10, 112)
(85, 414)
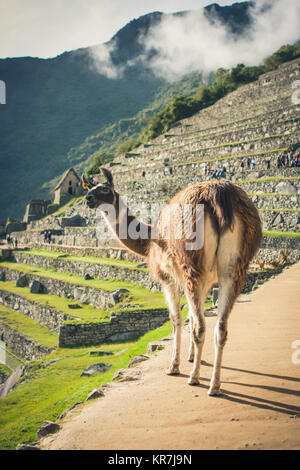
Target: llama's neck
(131, 232)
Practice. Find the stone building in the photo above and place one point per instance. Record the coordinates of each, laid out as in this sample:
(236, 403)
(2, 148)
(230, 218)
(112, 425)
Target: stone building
(68, 187)
(36, 209)
(13, 225)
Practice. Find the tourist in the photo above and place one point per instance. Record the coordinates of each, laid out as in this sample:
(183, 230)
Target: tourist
(16, 242)
(242, 164)
(249, 163)
(253, 163)
(279, 161)
(268, 164)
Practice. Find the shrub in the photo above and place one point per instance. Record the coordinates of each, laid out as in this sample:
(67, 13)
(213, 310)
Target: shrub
(99, 159)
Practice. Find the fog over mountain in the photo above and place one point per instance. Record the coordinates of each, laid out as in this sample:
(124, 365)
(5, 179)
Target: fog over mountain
(55, 107)
(209, 38)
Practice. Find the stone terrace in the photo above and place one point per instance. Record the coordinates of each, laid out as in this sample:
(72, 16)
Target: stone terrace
(257, 121)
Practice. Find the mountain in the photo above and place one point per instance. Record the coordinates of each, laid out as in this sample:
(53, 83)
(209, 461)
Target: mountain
(55, 107)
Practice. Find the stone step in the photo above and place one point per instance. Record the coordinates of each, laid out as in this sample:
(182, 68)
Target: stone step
(251, 136)
(196, 160)
(109, 252)
(163, 190)
(46, 315)
(12, 332)
(91, 294)
(82, 266)
(126, 325)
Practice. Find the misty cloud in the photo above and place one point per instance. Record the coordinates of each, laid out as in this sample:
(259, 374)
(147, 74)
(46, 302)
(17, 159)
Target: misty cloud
(101, 60)
(191, 43)
(188, 43)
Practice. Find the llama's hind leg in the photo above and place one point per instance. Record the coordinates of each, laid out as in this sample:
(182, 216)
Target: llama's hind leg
(229, 288)
(191, 346)
(196, 299)
(172, 295)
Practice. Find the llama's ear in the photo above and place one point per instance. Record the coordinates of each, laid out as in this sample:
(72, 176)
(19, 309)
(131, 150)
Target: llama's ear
(107, 175)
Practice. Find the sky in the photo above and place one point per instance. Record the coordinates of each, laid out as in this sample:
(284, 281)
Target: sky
(46, 28)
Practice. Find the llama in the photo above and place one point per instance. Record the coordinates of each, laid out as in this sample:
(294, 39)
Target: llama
(232, 236)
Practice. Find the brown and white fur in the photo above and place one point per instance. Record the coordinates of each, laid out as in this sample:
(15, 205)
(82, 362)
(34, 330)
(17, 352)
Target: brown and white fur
(232, 236)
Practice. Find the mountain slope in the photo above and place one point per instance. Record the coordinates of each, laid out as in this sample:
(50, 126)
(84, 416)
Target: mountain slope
(54, 105)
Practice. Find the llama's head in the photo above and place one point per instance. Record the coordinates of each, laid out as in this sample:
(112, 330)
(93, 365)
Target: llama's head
(99, 193)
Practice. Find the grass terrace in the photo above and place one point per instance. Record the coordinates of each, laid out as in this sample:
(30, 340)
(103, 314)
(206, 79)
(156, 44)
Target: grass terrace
(86, 259)
(245, 155)
(53, 389)
(28, 327)
(268, 233)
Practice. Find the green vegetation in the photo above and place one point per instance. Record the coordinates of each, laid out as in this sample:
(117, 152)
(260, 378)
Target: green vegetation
(279, 210)
(61, 304)
(268, 233)
(244, 155)
(99, 159)
(224, 82)
(86, 259)
(137, 295)
(271, 178)
(52, 389)
(28, 327)
(61, 211)
(5, 371)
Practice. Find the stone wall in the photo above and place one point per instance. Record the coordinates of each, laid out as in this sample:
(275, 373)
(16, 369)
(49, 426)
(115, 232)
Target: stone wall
(271, 247)
(42, 314)
(98, 298)
(81, 268)
(22, 345)
(125, 325)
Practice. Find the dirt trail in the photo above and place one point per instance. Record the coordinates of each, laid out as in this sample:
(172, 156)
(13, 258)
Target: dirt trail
(259, 407)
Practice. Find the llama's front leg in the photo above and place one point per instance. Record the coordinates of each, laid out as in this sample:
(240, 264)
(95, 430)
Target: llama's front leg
(172, 296)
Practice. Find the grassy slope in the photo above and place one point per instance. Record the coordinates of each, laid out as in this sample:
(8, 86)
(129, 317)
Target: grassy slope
(53, 389)
(28, 327)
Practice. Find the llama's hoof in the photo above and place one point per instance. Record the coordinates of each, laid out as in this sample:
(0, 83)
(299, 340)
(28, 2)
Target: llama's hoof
(193, 381)
(173, 370)
(214, 390)
(191, 358)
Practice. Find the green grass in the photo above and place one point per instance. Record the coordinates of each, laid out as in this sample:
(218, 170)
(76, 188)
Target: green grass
(279, 210)
(86, 259)
(271, 194)
(270, 178)
(61, 304)
(53, 389)
(28, 327)
(61, 211)
(138, 295)
(268, 233)
(4, 370)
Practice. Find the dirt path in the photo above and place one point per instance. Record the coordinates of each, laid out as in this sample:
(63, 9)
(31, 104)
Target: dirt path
(259, 407)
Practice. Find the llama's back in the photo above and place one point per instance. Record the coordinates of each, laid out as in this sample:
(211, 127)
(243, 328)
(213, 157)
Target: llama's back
(226, 202)
(229, 209)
